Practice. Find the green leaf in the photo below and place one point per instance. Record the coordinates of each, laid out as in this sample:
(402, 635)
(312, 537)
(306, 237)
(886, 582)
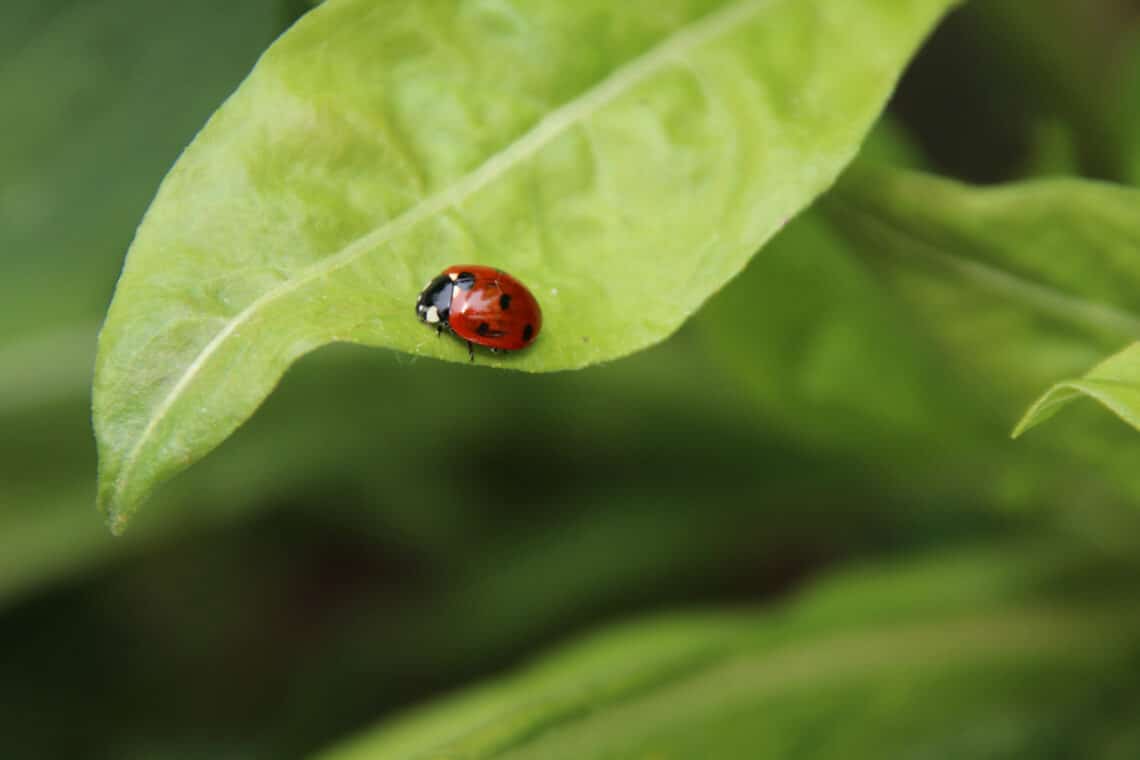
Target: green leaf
(1025, 283)
(907, 322)
(106, 95)
(96, 118)
(1065, 249)
(960, 655)
(624, 159)
(1115, 383)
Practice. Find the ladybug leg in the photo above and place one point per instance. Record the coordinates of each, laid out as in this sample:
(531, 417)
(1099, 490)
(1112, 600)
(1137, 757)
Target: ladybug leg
(495, 350)
(471, 350)
(439, 330)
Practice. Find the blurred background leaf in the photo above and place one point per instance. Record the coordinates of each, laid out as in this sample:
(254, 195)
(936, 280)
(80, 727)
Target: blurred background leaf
(888, 658)
(874, 348)
(1017, 287)
(104, 94)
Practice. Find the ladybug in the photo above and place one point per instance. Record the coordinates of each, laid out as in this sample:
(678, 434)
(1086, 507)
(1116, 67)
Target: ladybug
(481, 305)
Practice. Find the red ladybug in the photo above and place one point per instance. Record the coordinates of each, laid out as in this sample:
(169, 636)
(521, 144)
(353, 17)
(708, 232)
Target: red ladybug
(481, 305)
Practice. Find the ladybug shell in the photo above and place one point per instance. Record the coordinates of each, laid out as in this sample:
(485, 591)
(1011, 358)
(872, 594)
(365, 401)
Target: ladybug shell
(490, 308)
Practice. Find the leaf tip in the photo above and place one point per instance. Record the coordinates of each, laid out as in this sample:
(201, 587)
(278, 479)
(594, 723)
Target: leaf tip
(117, 523)
(115, 516)
(1044, 408)
(1028, 421)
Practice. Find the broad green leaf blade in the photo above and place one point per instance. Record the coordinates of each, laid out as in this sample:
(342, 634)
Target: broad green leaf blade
(909, 321)
(1115, 383)
(1069, 249)
(624, 159)
(851, 357)
(896, 661)
(1027, 283)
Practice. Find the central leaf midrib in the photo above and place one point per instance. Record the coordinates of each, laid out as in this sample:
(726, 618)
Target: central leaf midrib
(671, 48)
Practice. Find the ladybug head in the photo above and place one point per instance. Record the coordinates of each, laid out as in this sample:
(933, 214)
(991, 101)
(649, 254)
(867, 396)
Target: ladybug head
(434, 303)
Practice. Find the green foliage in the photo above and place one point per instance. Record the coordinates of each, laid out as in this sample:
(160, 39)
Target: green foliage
(1115, 383)
(907, 321)
(886, 658)
(326, 191)
(98, 87)
(102, 96)
(1047, 271)
(390, 540)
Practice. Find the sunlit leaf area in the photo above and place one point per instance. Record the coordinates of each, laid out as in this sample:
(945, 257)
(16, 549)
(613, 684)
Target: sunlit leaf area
(824, 443)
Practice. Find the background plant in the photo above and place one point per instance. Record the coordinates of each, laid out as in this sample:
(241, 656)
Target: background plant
(809, 491)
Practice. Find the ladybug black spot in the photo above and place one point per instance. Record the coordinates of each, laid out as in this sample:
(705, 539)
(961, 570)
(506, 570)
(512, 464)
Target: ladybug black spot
(528, 332)
(505, 301)
(483, 329)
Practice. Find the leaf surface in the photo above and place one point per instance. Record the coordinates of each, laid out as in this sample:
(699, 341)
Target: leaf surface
(974, 654)
(906, 326)
(623, 159)
(1115, 383)
(1024, 283)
